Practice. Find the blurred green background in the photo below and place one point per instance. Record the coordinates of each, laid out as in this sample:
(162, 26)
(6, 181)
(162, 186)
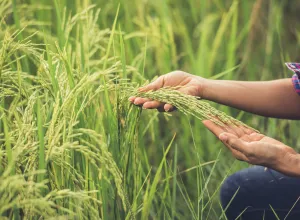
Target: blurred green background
(225, 40)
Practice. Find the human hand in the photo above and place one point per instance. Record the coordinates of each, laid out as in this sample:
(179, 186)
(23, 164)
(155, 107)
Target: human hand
(252, 147)
(186, 83)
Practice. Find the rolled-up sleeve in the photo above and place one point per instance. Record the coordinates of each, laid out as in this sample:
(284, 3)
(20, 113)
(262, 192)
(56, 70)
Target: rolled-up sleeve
(295, 67)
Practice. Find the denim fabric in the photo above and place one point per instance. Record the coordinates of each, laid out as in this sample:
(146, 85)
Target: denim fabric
(257, 188)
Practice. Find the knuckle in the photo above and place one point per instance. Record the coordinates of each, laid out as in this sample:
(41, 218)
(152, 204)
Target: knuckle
(160, 77)
(257, 135)
(250, 153)
(179, 72)
(232, 142)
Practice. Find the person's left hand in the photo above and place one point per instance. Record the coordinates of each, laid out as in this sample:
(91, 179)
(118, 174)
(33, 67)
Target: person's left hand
(252, 147)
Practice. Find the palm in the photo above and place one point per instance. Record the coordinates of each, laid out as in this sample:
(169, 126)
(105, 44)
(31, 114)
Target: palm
(242, 133)
(250, 146)
(266, 139)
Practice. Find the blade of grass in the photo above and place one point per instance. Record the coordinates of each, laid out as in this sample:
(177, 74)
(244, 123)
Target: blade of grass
(41, 164)
(8, 146)
(148, 200)
(174, 183)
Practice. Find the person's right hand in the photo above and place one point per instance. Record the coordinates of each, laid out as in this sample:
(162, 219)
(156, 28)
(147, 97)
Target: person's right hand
(187, 83)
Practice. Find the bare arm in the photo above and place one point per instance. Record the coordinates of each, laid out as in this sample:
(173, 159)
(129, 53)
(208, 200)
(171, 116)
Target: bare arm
(267, 98)
(275, 98)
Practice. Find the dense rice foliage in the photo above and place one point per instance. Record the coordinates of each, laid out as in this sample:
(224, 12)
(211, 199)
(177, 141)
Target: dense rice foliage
(71, 145)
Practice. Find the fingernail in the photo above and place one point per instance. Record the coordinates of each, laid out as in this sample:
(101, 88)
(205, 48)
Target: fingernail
(223, 137)
(167, 110)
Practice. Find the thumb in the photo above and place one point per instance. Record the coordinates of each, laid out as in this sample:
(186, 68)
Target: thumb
(155, 85)
(223, 137)
(238, 144)
(226, 137)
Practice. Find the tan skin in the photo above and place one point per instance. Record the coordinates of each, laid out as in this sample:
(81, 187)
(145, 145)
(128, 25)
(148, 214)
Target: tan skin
(270, 98)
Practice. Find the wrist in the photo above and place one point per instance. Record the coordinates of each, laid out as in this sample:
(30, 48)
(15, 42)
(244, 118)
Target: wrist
(289, 164)
(203, 87)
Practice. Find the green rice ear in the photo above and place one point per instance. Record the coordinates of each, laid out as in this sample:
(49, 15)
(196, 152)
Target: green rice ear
(190, 105)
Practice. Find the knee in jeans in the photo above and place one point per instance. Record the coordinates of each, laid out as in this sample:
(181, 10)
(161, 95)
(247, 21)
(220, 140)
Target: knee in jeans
(228, 189)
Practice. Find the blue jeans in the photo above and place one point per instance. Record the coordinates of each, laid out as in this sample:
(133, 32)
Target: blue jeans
(257, 188)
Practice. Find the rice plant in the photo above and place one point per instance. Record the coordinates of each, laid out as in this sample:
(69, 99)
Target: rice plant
(73, 147)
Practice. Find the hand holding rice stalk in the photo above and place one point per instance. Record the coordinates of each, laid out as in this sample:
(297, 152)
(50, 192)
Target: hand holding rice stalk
(182, 91)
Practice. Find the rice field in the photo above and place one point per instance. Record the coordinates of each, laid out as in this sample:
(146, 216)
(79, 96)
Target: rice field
(71, 144)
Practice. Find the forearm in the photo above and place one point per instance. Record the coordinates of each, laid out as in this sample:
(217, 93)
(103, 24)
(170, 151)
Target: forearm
(267, 98)
(288, 165)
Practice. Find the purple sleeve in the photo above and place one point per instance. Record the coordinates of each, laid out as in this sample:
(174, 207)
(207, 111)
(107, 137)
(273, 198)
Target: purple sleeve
(295, 67)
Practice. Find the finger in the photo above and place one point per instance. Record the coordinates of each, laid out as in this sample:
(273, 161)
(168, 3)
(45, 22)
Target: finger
(246, 138)
(247, 130)
(256, 136)
(235, 143)
(237, 130)
(235, 153)
(224, 141)
(152, 104)
(230, 130)
(227, 128)
(131, 99)
(156, 84)
(214, 128)
(141, 101)
(169, 108)
(239, 156)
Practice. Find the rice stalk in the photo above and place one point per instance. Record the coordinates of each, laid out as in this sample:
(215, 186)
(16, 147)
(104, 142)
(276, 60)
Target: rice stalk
(190, 105)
